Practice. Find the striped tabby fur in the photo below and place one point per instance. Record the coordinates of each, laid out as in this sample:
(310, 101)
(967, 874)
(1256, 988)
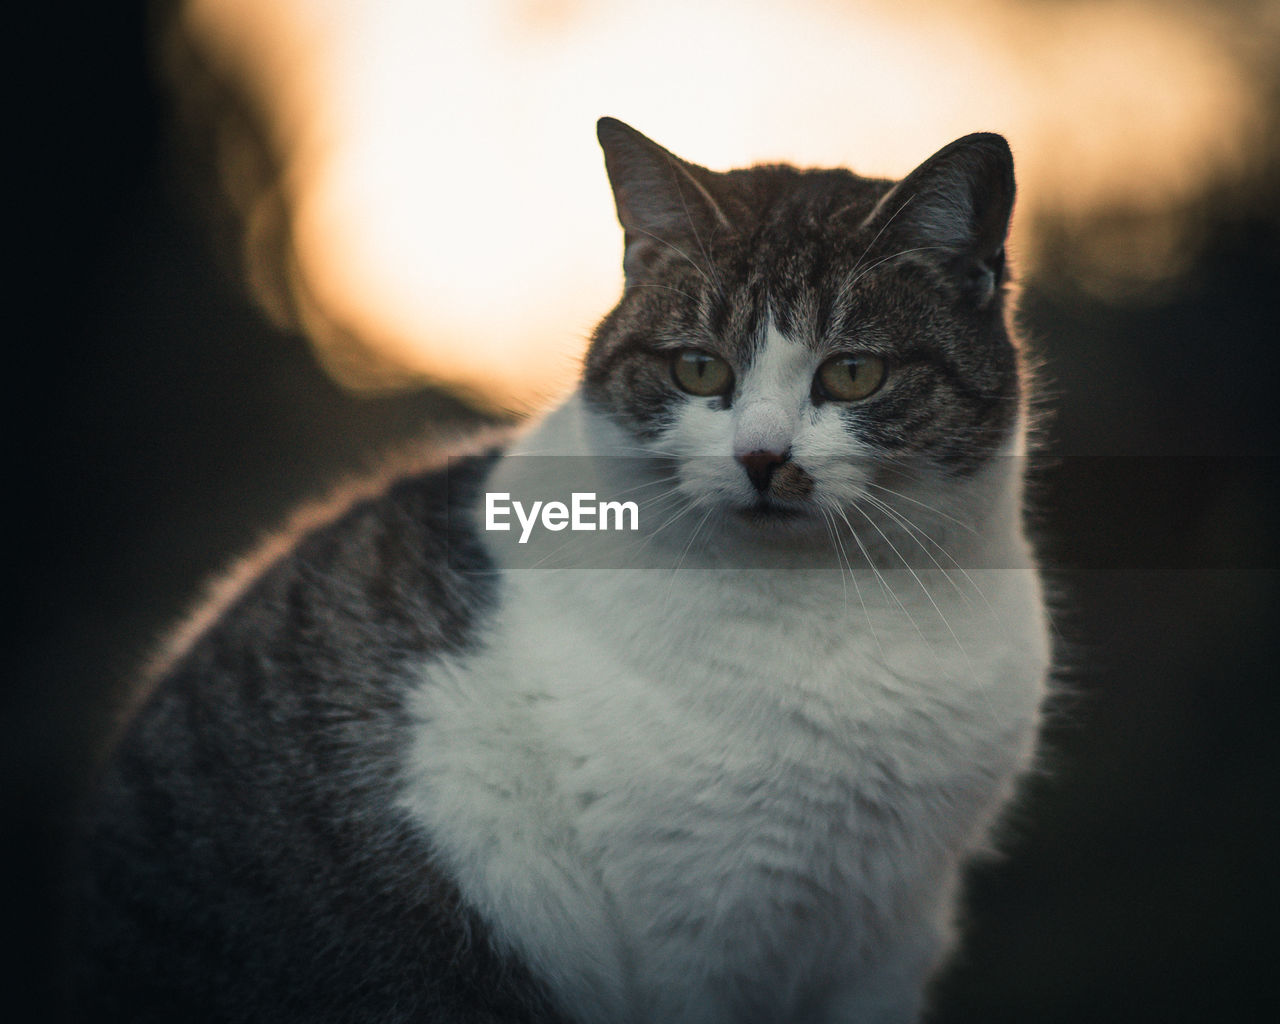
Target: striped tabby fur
(395, 778)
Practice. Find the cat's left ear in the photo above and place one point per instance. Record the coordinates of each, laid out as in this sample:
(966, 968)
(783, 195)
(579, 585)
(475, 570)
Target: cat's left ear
(953, 210)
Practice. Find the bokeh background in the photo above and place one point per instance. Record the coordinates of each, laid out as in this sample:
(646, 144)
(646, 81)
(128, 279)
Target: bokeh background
(257, 244)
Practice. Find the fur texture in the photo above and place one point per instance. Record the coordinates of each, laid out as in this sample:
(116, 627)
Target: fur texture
(402, 777)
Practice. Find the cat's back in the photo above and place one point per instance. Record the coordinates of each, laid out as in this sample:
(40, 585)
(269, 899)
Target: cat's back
(244, 857)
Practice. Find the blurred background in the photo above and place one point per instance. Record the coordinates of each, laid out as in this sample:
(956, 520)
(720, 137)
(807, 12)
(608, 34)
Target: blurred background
(258, 244)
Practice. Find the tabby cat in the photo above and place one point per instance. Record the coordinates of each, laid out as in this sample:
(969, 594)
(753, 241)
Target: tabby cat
(728, 771)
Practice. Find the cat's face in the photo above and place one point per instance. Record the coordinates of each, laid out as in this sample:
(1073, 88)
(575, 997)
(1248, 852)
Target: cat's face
(785, 336)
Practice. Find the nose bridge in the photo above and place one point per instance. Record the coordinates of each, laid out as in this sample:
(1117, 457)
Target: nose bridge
(772, 398)
(764, 425)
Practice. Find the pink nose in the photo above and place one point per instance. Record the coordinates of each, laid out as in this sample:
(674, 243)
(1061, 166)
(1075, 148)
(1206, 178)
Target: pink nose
(760, 465)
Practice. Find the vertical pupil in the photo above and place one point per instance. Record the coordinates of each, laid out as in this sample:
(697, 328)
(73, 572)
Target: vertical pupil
(699, 373)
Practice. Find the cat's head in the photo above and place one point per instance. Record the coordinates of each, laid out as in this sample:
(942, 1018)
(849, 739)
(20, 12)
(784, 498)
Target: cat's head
(786, 334)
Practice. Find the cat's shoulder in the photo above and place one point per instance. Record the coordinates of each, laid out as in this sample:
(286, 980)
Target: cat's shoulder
(392, 552)
(244, 823)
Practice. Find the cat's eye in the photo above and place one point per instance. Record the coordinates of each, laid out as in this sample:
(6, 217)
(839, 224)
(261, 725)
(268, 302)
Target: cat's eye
(850, 377)
(701, 373)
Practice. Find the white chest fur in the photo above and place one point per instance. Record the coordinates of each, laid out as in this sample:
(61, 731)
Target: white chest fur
(729, 795)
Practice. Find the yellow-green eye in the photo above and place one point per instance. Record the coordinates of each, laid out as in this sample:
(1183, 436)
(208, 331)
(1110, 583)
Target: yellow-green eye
(701, 373)
(849, 378)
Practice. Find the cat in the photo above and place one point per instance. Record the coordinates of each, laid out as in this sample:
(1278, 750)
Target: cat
(398, 772)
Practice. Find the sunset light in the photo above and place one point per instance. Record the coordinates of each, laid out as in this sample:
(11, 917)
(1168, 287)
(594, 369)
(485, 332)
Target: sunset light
(448, 204)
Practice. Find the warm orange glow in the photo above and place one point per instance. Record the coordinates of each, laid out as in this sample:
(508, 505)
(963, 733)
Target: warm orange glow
(450, 205)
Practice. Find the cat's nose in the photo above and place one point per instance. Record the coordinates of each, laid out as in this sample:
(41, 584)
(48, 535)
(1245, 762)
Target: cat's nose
(760, 465)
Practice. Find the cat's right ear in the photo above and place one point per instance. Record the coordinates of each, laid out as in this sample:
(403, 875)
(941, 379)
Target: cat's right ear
(662, 201)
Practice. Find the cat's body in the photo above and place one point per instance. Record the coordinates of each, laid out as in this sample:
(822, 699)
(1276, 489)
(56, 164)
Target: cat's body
(403, 777)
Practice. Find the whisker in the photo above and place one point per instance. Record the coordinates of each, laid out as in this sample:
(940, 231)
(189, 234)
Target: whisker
(915, 533)
(683, 554)
(894, 256)
(913, 529)
(842, 553)
(667, 497)
(883, 228)
(866, 555)
(680, 252)
(936, 511)
(925, 590)
(689, 504)
(653, 453)
(907, 565)
(693, 227)
(848, 284)
(826, 520)
(673, 478)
